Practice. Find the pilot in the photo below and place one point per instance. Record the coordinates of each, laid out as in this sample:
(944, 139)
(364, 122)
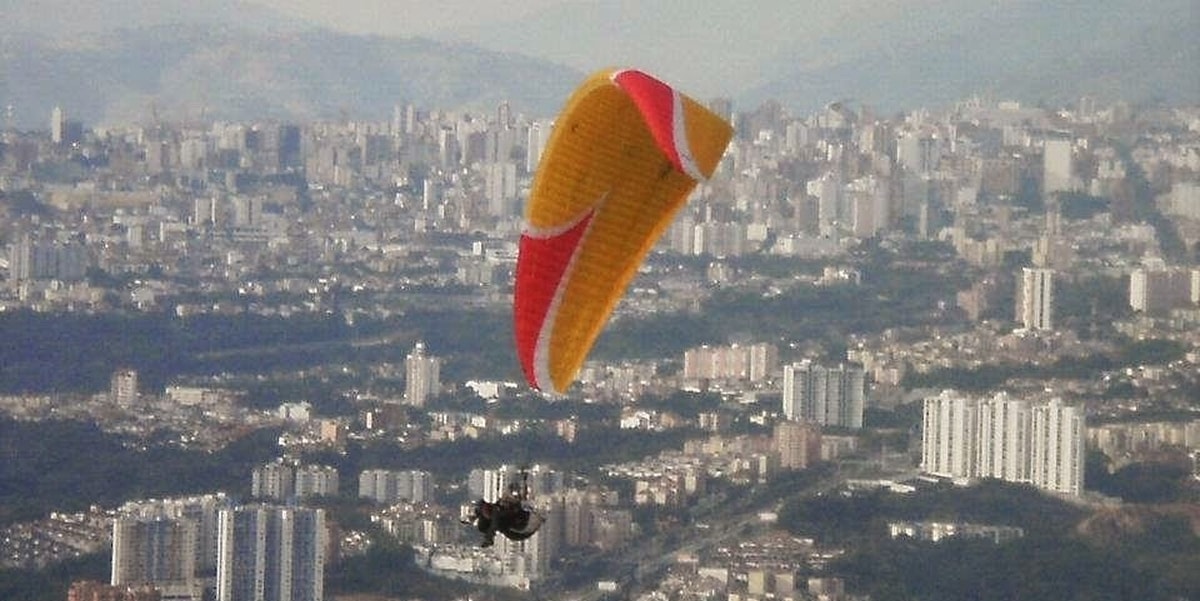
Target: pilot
(508, 516)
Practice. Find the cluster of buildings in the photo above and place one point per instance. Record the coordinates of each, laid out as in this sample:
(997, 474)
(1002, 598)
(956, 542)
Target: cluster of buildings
(58, 537)
(765, 565)
(752, 363)
(284, 481)
(261, 215)
(1016, 440)
(365, 218)
(181, 547)
(1129, 442)
(389, 487)
(198, 417)
(228, 199)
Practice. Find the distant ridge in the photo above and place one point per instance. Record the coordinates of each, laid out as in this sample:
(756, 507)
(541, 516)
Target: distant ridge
(1035, 52)
(183, 71)
(888, 54)
(113, 61)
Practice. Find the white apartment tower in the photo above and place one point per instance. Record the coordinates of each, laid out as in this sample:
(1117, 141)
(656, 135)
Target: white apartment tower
(949, 435)
(423, 376)
(1057, 449)
(58, 125)
(496, 483)
(1035, 299)
(1004, 438)
(829, 396)
(1057, 170)
(1009, 439)
(271, 553)
(538, 138)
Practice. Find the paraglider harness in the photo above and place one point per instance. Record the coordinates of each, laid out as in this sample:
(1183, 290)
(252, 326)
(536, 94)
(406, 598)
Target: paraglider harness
(511, 515)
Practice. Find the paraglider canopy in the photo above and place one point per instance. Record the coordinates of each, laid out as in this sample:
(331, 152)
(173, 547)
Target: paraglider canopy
(624, 155)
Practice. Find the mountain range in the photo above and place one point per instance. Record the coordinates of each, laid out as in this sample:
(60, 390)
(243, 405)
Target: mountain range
(117, 61)
(891, 54)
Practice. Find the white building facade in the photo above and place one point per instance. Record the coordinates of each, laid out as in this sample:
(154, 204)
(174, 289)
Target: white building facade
(829, 396)
(1035, 299)
(1009, 439)
(423, 376)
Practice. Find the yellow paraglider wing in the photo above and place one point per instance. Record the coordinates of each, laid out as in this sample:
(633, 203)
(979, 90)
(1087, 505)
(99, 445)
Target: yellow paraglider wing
(623, 157)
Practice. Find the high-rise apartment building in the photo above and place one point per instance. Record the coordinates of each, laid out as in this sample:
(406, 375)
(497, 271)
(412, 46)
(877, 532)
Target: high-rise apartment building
(538, 138)
(1035, 299)
(1003, 438)
(754, 362)
(58, 125)
(271, 553)
(1057, 449)
(316, 481)
(1157, 291)
(798, 444)
(829, 396)
(948, 436)
(202, 510)
(275, 480)
(500, 189)
(423, 376)
(281, 481)
(160, 551)
(919, 152)
(1058, 171)
(491, 484)
(386, 486)
(1010, 439)
(827, 189)
(577, 507)
(123, 387)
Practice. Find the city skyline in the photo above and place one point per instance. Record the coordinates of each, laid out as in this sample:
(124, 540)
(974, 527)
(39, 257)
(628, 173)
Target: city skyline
(274, 309)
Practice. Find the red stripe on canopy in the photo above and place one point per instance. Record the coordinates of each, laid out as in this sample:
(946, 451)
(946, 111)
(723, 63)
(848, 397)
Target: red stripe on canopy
(656, 101)
(537, 283)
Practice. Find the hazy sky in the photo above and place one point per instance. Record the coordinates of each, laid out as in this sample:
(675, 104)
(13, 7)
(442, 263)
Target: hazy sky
(407, 17)
(707, 47)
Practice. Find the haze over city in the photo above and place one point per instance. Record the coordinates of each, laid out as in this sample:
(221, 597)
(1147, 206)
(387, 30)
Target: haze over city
(927, 326)
(313, 60)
